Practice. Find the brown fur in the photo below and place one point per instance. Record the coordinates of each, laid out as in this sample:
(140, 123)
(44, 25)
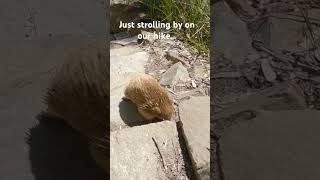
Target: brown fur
(79, 94)
(151, 99)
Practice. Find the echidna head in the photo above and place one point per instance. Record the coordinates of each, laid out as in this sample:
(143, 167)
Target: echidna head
(165, 110)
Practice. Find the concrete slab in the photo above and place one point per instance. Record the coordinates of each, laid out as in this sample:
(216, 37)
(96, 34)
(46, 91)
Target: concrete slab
(275, 145)
(195, 118)
(129, 59)
(147, 152)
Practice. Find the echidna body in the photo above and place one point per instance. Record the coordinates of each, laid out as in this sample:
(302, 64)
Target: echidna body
(79, 94)
(151, 99)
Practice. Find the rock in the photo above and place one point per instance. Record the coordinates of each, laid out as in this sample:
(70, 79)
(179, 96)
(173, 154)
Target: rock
(150, 36)
(174, 56)
(253, 57)
(126, 41)
(147, 152)
(199, 71)
(231, 37)
(121, 35)
(274, 145)
(284, 96)
(187, 94)
(195, 118)
(175, 74)
(228, 75)
(268, 71)
(127, 2)
(278, 32)
(193, 83)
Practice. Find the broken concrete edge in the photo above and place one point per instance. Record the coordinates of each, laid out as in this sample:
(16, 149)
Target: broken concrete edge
(201, 173)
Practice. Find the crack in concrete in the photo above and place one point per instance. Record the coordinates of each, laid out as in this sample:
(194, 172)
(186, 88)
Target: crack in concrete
(219, 161)
(216, 170)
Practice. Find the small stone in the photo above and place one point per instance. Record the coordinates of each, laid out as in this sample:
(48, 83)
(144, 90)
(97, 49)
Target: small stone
(268, 71)
(199, 71)
(253, 57)
(126, 41)
(149, 35)
(174, 74)
(193, 84)
(264, 55)
(121, 35)
(162, 71)
(228, 75)
(174, 56)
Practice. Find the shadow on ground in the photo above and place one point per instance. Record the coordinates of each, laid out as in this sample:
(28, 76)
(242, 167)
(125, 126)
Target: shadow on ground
(56, 151)
(130, 115)
(185, 155)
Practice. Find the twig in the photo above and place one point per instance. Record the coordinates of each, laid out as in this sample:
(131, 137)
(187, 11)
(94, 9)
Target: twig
(172, 91)
(162, 160)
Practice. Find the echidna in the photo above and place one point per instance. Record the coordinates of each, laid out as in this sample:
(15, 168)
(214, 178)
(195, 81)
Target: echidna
(151, 99)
